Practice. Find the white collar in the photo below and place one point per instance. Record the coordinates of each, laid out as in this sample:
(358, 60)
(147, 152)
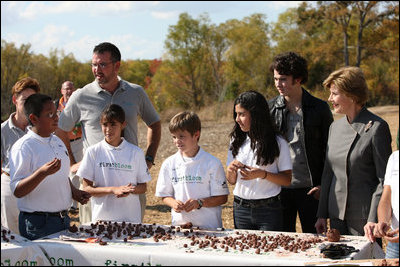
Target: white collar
(12, 125)
(44, 140)
(110, 147)
(195, 158)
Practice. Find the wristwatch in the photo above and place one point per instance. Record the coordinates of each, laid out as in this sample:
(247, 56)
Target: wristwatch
(200, 203)
(150, 159)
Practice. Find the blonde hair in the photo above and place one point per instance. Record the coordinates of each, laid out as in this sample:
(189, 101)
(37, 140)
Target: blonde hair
(185, 120)
(25, 83)
(351, 81)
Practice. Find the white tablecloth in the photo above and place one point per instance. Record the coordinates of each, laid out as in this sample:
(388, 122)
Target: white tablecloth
(145, 251)
(21, 252)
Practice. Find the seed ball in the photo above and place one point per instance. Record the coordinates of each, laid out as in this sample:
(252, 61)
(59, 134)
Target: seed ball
(333, 235)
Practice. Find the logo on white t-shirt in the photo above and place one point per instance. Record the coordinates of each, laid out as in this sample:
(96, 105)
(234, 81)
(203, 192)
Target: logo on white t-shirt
(187, 179)
(115, 165)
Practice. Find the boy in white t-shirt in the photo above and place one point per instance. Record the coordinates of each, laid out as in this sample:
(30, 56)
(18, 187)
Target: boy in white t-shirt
(192, 182)
(114, 171)
(39, 167)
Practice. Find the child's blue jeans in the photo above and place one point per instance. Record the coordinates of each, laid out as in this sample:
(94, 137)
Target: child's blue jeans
(33, 226)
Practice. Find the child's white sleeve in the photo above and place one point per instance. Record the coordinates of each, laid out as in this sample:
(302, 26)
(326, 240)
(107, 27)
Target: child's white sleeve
(164, 186)
(230, 158)
(20, 166)
(218, 180)
(284, 161)
(87, 167)
(143, 175)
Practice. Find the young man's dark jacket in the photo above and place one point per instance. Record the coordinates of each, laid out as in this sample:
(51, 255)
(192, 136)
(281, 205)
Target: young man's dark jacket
(317, 117)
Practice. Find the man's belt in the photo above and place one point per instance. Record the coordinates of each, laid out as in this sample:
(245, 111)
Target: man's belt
(72, 140)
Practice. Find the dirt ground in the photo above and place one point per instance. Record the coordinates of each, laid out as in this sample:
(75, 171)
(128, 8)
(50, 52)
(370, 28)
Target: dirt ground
(214, 139)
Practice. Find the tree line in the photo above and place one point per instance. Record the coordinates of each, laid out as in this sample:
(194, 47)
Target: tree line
(206, 63)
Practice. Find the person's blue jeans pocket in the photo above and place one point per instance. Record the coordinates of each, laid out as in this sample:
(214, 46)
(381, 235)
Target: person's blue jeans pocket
(32, 226)
(267, 218)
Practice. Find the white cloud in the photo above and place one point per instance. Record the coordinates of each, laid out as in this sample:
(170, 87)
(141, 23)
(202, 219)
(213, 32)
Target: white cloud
(61, 38)
(165, 15)
(10, 12)
(110, 8)
(52, 36)
(33, 10)
(16, 38)
(93, 8)
(132, 47)
(82, 48)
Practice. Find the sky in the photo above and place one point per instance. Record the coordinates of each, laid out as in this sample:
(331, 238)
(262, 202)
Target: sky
(138, 28)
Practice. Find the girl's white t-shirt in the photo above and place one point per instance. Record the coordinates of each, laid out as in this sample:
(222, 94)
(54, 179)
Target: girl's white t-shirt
(259, 188)
(199, 177)
(106, 165)
(392, 179)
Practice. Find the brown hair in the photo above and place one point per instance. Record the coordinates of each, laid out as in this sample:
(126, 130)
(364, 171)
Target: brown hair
(25, 83)
(185, 120)
(351, 81)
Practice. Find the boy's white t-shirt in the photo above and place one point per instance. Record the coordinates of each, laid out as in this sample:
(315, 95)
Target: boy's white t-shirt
(392, 179)
(28, 154)
(199, 177)
(106, 165)
(259, 188)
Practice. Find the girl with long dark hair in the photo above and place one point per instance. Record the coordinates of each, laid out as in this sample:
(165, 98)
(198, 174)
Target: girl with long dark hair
(258, 164)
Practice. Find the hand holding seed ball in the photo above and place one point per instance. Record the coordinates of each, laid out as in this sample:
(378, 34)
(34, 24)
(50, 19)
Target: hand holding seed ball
(333, 235)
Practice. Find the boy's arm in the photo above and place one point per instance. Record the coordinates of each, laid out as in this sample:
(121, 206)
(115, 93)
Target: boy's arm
(140, 188)
(384, 212)
(212, 201)
(215, 201)
(79, 195)
(28, 184)
(119, 191)
(177, 205)
(153, 141)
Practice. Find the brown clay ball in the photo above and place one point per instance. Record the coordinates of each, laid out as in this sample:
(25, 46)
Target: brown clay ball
(333, 235)
(187, 225)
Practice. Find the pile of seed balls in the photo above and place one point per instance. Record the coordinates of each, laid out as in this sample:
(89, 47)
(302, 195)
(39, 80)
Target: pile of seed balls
(241, 240)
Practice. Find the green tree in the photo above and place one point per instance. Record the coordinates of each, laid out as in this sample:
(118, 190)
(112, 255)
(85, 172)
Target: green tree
(134, 71)
(369, 14)
(15, 64)
(217, 46)
(249, 53)
(187, 57)
(340, 13)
